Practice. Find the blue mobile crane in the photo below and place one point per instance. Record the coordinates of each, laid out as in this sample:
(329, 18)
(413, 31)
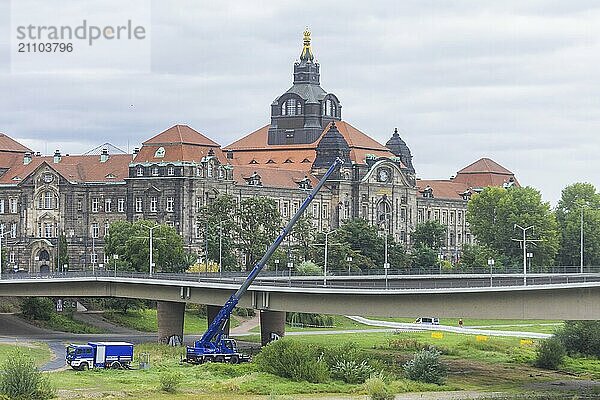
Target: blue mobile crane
(215, 346)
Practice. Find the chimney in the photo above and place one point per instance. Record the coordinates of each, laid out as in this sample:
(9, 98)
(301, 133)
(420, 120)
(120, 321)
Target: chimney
(104, 155)
(27, 158)
(136, 150)
(57, 156)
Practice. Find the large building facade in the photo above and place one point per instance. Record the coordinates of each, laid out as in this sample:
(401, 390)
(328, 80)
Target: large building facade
(175, 173)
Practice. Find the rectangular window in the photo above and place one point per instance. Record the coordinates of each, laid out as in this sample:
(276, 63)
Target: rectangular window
(286, 209)
(402, 214)
(108, 205)
(40, 229)
(444, 218)
(197, 231)
(170, 201)
(155, 171)
(295, 207)
(79, 205)
(451, 217)
(11, 258)
(420, 216)
(95, 204)
(106, 228)
(171, 171)
(13, 230)
(48, 230)
(1, 206)
(12, 205)
(347, 210)
(459, 217)
(121, 205)
(139, 204)
(436, 215)
(140, 171)
(324, 212)
(315, 211)
(198, 203)
(153, 204)
(95, 230)
(94, 258)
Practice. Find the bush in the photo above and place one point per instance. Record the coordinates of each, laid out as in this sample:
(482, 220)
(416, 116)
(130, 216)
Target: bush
(426, 366)
(293, 360)
(549, 354)
(39, 308)
(169, 381)
(20, 379)
(377, 389)
(581, 337)
(309, 268)
(351, 371)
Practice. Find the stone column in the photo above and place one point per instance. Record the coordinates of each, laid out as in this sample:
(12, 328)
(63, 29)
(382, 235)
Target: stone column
(272, 326)
(211, 314)
(170, 321)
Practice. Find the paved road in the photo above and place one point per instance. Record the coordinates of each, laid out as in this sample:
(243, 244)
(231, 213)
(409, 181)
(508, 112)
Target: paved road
(446, 328)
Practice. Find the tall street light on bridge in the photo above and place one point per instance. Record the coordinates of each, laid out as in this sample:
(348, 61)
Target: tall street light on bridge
(151, 239)
(524, 244)
(326, 244)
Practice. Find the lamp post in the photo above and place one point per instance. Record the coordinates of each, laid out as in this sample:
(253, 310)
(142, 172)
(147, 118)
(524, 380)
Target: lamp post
(326, 255)
(349, 260)
(524, 242)
(491, 264)
(220, 248)
(581, 244)
(115, 258)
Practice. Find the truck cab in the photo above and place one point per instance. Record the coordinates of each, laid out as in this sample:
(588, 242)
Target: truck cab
(80, 357)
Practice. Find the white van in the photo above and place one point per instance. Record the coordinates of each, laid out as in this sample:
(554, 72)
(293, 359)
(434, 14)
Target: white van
(427, 321)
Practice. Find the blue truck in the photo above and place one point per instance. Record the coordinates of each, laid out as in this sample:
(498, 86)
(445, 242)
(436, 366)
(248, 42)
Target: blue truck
(214, 345)
(99, 355)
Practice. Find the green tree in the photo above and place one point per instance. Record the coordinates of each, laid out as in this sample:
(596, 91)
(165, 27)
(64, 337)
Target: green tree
(493, 213)
(20, 379)
(131, 242)
(259, 223)
(63, 253)
(575, 199)
(429, 233)
(303, 236)
(217, 219)
(423, 257)
(477, 256)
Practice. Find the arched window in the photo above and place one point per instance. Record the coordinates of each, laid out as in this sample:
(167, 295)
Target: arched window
(328, 107)
(291, 107)
(46, 201)
(298, 108)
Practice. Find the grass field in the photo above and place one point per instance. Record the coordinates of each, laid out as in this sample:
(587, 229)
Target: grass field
(39, 352)
(497, 364)
(66, 323)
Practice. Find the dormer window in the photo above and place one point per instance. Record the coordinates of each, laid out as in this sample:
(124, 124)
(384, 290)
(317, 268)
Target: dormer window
(253, 162)
(329, 108)
(154, 171)
(270, 161)
(254, 180)
(288, 161)
(160, 152)
(305, 184)
(306, 160)
(140, 171)
(171, 171)
(427, 192)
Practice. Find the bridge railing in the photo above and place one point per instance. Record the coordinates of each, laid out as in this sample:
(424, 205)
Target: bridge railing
(353, 282)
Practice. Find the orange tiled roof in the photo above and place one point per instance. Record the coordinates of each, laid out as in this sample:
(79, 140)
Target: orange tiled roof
(8, 144)
(75, 168)
(254, 148)
(270, 177)
(181, 143)
(483, 173)
(443, 189)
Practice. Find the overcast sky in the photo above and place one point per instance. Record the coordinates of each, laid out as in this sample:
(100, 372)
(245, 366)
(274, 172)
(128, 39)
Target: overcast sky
(519, 83)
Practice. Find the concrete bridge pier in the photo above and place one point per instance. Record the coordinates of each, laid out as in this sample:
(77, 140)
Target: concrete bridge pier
(211, 314)
(170, 316)
(272, 326)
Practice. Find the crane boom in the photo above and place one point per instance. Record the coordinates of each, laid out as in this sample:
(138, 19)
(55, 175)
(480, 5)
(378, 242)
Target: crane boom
(214, 332)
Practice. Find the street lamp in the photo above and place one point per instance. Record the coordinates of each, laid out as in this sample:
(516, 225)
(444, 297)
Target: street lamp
(115, 257)
(524, 241)
(349, 260)
(491, 264)
(151, 229)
